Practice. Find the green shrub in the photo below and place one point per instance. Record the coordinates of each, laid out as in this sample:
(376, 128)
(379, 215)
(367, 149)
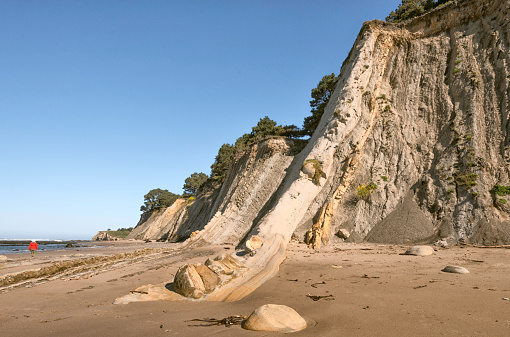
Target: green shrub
(501, 190)
(456, 70)
(384, 178)
(317, 166)
(474, 194)
(363, 192)
(503, 201)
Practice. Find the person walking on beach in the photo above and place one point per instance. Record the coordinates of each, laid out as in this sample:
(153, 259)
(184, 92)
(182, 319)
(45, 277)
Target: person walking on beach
(32, 247)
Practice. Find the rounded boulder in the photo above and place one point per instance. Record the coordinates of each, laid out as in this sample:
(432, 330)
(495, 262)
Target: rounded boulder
(419, 250)
(455, 270)
(273, 317)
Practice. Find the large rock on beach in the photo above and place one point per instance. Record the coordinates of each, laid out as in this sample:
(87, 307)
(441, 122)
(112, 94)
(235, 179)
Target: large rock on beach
(419, 251)
(209, 278)
(273, 317)
(188, 282)
(455, 270)
(3, 258)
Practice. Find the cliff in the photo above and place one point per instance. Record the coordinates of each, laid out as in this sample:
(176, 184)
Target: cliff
(411, 144)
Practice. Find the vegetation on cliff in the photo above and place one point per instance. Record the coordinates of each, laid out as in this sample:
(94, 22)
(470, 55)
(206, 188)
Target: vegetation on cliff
(157, 199)
(409, 9)
(193, 183)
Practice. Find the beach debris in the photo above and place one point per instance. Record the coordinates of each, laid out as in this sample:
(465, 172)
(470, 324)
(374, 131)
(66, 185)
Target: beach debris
(317, 297)
(315, 284)
(418, 287)
(253, 243)
(274, 317)
(366, 276)
(455, 269)
(477, 246)
(336, 266)
(227, 321)
(292, 280)
(419, 251)
(505, 298)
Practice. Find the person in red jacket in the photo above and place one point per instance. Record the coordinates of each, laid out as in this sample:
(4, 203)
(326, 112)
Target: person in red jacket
(33, 247)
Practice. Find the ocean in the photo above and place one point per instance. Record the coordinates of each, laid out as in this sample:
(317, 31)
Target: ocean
(21, 246)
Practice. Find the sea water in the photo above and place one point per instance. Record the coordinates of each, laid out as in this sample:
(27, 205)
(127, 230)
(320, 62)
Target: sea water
(21, 246)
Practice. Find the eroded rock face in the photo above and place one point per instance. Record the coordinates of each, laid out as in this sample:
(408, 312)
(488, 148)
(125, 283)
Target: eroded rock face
(273, 317)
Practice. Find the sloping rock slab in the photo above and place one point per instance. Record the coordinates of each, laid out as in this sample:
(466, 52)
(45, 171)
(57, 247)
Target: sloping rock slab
(419, 251)
(273, 317)
(455, 269)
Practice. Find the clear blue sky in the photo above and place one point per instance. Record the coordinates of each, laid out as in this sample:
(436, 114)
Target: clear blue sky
(102, 101)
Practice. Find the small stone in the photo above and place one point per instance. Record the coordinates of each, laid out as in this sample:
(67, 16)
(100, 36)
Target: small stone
(419, 251)
(455, 269)
(343, 234)
(253, 243)
(273, 317)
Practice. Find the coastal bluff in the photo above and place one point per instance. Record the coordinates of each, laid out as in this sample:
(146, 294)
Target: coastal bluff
(411, 146)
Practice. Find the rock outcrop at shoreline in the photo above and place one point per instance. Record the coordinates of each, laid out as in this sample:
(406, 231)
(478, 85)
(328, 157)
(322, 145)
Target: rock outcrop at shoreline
(105, 236)
(411, 145)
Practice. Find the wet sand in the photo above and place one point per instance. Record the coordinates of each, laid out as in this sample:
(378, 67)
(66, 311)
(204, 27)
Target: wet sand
(375, 292)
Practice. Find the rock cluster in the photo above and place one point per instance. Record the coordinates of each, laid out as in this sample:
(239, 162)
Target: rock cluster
(197, 280)
(104, 236)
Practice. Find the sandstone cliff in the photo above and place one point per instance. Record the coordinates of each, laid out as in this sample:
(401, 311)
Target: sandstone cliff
(411, 145)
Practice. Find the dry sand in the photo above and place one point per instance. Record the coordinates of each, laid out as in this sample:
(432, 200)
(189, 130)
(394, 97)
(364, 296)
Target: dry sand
(376, 292)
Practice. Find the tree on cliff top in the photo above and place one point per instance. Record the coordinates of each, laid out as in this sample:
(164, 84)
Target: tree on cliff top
(193, 183)
(321, 95)
(158, 198)
(411, 8)
(264, 128)
(222, 162)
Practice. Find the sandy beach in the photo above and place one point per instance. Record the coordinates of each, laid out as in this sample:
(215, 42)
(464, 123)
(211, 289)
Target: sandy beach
(370, 290)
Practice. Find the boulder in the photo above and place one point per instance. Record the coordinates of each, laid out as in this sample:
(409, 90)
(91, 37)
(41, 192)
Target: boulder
(419, 250)
(188, 282)
(455, 269)
(343, 234)
(253, 243)
(210, 279)
(3, 258)
(273, 317)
